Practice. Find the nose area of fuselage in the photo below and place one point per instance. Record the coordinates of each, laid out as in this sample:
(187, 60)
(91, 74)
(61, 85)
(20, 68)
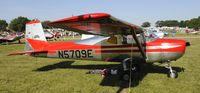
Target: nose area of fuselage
(173, 50)
(163, 50)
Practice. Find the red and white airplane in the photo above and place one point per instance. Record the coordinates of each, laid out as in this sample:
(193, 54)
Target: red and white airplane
(112, 40)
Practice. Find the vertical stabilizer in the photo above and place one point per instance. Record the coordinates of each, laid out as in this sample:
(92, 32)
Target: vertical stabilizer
(34, 31)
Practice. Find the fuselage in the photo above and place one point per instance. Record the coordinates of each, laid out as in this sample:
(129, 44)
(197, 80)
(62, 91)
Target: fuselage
(98, 48)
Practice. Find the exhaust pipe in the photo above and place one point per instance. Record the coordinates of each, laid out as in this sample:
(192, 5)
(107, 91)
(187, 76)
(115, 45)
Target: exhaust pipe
(187, 43)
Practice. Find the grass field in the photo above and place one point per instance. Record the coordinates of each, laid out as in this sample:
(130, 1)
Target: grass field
(25, 74)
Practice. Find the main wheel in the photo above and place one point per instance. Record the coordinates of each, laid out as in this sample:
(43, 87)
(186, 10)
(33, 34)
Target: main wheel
(172, 74)
(125, 76)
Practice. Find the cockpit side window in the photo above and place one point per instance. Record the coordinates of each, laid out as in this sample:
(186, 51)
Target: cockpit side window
(129, 38)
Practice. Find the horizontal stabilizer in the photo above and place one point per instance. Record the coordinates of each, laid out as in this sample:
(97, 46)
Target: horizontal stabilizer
(28, 52)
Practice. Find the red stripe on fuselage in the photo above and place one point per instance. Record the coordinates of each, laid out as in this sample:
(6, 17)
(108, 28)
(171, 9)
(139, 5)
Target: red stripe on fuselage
(115, 51)
(177, 49)
(119, 46)
(36, 44)
(73, 46)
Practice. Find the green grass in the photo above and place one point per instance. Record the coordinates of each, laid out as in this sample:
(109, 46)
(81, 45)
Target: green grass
(25, 74)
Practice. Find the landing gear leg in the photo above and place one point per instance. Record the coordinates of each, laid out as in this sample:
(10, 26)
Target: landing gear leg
(171, 73)
(128, 71)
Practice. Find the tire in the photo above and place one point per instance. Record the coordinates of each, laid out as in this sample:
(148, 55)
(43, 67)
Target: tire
(125, 76)
(172, 74)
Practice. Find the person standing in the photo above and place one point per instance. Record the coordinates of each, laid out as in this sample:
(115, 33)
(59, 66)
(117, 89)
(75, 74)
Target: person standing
(173, 33)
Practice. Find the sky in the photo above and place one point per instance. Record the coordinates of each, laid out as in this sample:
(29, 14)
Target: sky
(133, 11)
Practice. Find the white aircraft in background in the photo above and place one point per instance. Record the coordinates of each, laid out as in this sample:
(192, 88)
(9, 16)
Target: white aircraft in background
(156, 33)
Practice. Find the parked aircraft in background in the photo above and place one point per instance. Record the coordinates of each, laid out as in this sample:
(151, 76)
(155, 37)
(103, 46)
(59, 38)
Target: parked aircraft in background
(11, 37)
(48, 34)
(52, 34)
(113, 40)
(156, 33)
(191, 31)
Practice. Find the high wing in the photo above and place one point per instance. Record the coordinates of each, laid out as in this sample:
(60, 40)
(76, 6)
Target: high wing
(96, 23)
(99, 24)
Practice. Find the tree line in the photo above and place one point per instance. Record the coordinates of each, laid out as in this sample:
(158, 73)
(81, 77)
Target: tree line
(18, 24)
(192, 23)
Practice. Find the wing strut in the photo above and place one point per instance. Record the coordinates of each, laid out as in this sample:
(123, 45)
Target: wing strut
(138, 43)
(131, 62)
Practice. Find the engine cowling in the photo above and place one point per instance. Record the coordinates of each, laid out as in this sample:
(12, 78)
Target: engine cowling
(163, 50)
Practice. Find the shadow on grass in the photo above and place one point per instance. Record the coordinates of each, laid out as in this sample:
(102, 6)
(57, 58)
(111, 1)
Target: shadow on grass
(112, 80)
(67, 64)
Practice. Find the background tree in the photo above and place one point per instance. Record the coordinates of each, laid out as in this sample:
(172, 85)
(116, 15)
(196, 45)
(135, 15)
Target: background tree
(183, 23)
(18, 24)
(3, 25)
(194, 23)
(45, 24)
(169, 23)
(146, 24)
(159, 23)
